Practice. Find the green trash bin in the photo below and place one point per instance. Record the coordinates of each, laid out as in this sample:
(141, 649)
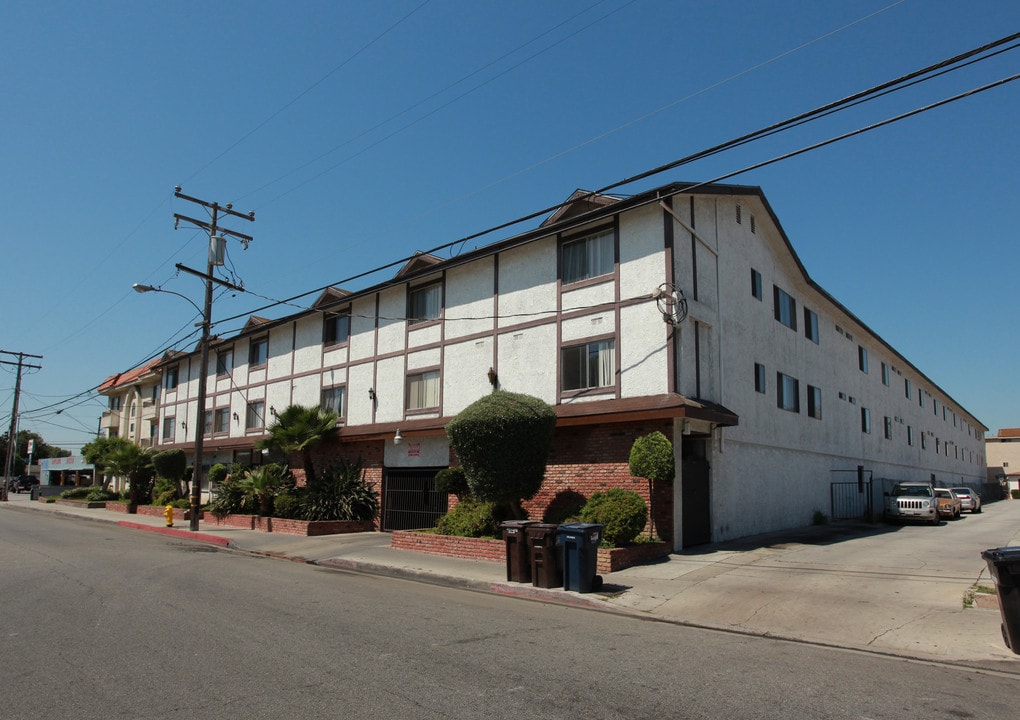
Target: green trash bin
(518, 564)
(580, 542)
(1004, 565)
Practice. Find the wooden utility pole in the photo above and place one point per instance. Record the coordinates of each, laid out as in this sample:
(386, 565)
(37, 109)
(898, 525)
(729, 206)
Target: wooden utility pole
(216, 239)
(12, 436)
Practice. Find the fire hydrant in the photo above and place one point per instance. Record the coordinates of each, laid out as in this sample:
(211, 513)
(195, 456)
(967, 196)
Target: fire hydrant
(168, 512)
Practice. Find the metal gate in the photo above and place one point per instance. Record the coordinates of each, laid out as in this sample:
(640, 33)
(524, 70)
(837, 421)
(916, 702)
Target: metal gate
(410, 500)
(851, 500)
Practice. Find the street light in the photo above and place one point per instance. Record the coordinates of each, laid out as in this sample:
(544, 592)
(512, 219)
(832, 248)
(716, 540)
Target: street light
(140, 288)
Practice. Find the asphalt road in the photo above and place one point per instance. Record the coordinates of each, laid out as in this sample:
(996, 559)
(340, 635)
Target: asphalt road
(105, 622)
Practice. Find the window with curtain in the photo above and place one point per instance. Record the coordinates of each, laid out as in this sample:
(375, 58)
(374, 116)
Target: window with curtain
(333, 399)
(591, 365)
(588, 257)
(255, 418)
(424, 303)
(423, 390)
(258, 352)
(336, 328)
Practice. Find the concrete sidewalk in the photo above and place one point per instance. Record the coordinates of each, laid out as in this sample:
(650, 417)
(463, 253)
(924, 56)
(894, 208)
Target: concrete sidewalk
(835, 585)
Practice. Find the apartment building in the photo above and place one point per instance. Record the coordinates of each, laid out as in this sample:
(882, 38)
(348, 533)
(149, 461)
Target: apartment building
(683, 309)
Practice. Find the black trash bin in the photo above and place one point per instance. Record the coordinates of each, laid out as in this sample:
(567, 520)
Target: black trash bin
(518, 564)
(580, 543)
(545, 555)
(1004, 565)
(34, 493)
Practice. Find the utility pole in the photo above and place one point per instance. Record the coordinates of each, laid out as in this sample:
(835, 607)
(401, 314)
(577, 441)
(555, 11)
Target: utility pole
(12, 436)
(216, 251)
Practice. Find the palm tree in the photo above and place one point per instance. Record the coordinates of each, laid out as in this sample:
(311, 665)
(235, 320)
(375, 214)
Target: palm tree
(260, 485)
(120, 457)
(297, 429)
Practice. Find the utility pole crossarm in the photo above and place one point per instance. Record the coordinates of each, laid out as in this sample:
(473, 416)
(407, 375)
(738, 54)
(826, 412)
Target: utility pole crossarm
(213, 229)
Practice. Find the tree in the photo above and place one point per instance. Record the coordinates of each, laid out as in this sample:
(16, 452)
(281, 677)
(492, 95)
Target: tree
(297, 430)
(171, 465)
(119, 457)
(40, 449)
(503, 441)
(651, 457)
(260, 485)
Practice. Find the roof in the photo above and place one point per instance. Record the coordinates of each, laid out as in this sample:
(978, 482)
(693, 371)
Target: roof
(131, 377)
(1009, 433)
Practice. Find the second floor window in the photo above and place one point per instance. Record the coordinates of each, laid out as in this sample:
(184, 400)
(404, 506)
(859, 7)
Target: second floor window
(787, 393)
(811, 325)
(255, 418)
(591, 365)
(224, 362)
(168, 427)
(170, 377)
(588, 257)
(333, 399)
(424, 303)
(221, 423)
(423, 390)
(258, 352)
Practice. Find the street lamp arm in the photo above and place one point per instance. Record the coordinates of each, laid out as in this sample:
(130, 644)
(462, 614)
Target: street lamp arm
(140, 288)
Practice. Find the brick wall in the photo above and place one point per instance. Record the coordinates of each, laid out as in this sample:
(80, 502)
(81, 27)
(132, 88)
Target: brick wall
(462, 547)
(370, 453)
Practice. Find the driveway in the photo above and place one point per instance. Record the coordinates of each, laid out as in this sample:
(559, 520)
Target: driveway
(889, 588)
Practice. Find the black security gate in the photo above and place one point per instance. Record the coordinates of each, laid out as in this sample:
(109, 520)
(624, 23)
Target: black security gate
(410, 500)
(851, 500)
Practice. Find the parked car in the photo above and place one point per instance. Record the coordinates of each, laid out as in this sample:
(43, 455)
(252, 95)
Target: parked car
(949, 505)
(27, 482)
(911, 501)
(970, 500)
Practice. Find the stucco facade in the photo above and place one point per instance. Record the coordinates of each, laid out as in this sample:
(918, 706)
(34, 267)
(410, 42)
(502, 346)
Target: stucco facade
(770, 389)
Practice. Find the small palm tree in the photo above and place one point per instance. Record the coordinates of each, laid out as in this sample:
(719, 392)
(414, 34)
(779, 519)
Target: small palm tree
(260, 486)
(297, 430)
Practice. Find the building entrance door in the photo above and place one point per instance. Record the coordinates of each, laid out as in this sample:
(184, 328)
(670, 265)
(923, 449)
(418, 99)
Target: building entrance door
(696, 515)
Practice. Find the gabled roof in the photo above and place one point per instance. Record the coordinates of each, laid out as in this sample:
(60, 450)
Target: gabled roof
(579, 202)
(254, 322)
(420, 261)
(131, 377)
(330, 296)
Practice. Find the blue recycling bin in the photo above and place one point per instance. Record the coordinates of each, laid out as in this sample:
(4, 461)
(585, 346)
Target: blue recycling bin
(1004, 566)
(580, 543)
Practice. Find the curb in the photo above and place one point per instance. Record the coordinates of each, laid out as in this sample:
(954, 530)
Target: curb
(174, 532)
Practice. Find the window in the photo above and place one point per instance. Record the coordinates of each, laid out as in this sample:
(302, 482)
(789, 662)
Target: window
(170, 377)
(811, 326)
(333, 399)
(336, 328)
(814, 402)
(588, 257)
(423, 390)
(785, 308)
(424, 303)
(224, 362)
(910, 435)
(258, 352)
(207, 421)
(168, 427)
(924, 441)
(885, 374)
(862, 358)
(134, 409)
(591, 365)
(759, 378)
(865, 420)
(934, 406)
(787, 393)
(906, 388)
(888, 427)
(920, 398)
(255, 418)
(756, 287)
(222, 420)
(155, 393)
(116, 403)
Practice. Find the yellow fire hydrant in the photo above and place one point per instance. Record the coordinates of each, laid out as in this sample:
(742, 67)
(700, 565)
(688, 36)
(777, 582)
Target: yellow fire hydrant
(168, 511)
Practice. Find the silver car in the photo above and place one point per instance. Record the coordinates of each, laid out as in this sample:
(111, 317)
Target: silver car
(968, 498)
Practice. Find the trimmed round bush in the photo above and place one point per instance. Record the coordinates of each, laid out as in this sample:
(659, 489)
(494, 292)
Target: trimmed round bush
(287, 506)
(622, 512)
(452, 481)
(472, 518)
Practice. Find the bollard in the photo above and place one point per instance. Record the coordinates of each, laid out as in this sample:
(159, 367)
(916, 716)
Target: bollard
(168, 512)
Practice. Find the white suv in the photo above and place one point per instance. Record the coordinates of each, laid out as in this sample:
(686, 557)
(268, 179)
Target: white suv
(911, 501)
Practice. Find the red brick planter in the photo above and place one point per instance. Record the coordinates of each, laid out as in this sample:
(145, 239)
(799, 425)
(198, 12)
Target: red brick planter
(159, 510)
(609, 560)
(285, 526)
(121, 507)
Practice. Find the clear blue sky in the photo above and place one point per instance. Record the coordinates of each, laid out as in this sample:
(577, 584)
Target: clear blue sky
(360, 132)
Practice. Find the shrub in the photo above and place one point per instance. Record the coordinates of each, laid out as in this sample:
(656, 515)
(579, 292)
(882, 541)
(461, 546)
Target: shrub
(453, 481)
(820, 518)
(622, 512)
(167, 497)
(1015, 494)
(472, 518)
(77, 493)
(287, 506)
(503, 442)
(165, 491)
(340, 492)
(651, 457)
(98, 494)
(217, 473)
